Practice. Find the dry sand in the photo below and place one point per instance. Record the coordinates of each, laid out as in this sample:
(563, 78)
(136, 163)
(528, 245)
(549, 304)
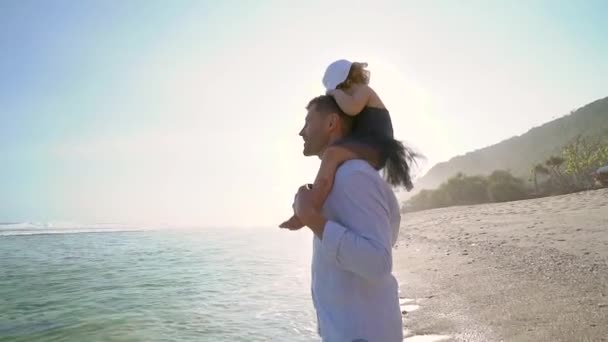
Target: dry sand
(534, 270)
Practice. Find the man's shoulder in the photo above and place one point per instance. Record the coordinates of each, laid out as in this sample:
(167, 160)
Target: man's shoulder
(360, 169)
(358, 180)
(357, 175)
(354, 166)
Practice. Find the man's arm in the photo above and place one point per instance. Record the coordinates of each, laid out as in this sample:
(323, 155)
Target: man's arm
(365, 247)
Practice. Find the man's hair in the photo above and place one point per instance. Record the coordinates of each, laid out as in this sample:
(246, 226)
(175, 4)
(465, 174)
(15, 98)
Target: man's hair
(326, 104)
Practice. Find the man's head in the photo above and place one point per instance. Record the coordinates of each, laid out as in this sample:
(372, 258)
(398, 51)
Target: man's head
(325, 123)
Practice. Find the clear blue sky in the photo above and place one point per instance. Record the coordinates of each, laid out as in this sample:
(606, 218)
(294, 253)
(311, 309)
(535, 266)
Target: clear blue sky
(187, 112)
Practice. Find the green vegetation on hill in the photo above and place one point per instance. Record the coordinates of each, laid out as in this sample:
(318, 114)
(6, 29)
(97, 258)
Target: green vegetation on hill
(575, 171)
(561, 157)
(519, 153)
(500, 186)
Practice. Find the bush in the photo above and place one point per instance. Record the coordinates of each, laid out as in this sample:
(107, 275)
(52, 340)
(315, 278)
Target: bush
(469, 190)
(504, 187)
(573, 171)
(582, 157)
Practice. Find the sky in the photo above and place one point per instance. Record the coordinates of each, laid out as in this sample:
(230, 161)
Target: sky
(187, 112)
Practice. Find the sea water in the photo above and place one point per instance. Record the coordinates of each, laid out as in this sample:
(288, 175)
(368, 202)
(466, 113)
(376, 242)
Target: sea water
(231, 284)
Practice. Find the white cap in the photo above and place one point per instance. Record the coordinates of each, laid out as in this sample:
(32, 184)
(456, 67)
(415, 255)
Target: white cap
(336, 73)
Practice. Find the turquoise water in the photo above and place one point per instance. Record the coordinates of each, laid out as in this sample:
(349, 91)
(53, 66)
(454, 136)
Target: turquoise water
(208, 285)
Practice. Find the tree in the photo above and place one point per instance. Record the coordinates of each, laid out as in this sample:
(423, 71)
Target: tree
(464, 190)
(503, 187)
(538, 169)
(583, 156)
(554, 163)
(468, 190)
(559, 183)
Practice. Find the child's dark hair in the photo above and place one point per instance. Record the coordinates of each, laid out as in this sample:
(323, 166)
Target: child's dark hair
(357, 75)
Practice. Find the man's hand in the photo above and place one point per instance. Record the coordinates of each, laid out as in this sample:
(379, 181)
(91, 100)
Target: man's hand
(306, 211)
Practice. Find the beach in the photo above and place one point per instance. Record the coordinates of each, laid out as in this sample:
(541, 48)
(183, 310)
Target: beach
(532, 270)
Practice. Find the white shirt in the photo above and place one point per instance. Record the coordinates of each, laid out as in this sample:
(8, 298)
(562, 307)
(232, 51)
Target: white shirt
(354, 292)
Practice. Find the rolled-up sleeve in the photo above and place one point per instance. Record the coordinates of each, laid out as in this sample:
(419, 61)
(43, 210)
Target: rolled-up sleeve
(363, 245)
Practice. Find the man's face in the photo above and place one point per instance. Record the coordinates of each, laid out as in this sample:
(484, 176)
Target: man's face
(315, 132)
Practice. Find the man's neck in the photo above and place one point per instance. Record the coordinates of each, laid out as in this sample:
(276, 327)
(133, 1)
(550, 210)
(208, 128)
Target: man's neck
(331, 140)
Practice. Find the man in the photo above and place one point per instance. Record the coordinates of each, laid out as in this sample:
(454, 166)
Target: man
(354, 292)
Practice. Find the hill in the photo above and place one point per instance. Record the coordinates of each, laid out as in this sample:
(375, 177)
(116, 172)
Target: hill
(518, 154)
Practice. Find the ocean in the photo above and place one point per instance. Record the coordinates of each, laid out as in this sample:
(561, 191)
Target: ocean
(161, 285)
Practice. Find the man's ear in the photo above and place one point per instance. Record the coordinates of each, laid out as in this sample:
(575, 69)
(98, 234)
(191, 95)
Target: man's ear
(333, 120)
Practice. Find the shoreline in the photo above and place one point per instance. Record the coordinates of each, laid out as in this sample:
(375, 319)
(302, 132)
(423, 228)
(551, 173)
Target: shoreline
(531, 270)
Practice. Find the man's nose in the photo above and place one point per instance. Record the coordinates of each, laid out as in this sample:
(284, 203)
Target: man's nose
(301, 132)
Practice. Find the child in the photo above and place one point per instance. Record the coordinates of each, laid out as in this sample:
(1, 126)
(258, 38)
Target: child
(371, 138)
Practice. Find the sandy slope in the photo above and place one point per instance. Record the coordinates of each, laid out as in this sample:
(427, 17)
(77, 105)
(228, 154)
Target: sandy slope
(534, 270)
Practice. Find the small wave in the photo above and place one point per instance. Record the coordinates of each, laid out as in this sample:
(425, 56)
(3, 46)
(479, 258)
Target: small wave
(62, 225)
(403, 301)
(410, 308)
(24, 225)
(21, 232)
(46, 228)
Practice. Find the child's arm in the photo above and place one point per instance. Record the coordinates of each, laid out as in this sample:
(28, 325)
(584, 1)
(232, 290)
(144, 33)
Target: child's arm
(352, 105)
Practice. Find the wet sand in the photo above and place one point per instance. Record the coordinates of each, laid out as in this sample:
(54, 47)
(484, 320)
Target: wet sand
(534, 270)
